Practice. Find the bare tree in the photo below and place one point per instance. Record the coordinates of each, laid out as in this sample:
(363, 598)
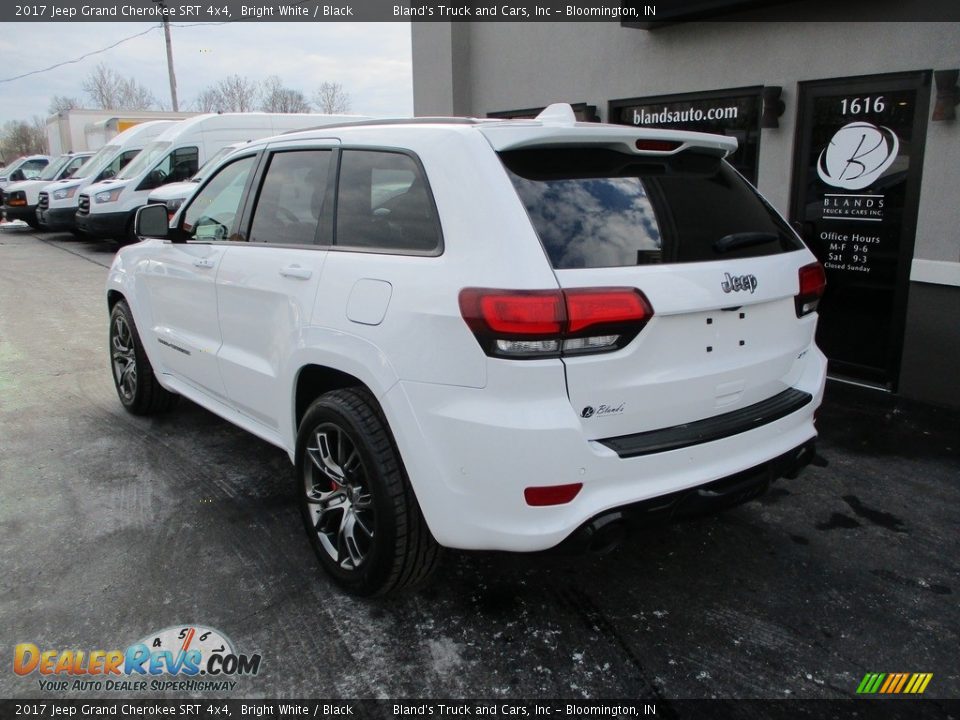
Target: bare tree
(232, 94)
(331, 98)
(62, 103)
(20, 137)
(279, 99)
(207, 101)
(237, 94)
(111, 91)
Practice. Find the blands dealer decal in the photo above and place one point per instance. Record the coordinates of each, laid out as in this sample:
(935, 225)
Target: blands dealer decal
(858, 154)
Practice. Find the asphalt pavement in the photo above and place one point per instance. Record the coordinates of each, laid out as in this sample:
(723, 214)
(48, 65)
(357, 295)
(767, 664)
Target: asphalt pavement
(113, 527)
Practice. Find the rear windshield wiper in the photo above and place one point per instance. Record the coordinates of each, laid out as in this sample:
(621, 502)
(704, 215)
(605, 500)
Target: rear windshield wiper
(743, 239)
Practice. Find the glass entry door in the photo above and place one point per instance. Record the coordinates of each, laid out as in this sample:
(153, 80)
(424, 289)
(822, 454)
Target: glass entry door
(856, 186)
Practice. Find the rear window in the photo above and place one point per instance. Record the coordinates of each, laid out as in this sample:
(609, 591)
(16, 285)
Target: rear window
(601, 208)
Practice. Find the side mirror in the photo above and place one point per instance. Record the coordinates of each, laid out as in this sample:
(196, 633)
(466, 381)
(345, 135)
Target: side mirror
(152, 221)
(105, 175)
(17, 175)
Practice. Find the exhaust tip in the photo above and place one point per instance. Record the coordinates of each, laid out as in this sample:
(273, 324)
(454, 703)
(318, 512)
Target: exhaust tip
(605, 533)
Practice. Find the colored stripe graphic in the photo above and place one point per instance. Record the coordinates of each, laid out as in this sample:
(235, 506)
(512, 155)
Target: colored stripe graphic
(900, 682)
(891, 680)
(894, 683)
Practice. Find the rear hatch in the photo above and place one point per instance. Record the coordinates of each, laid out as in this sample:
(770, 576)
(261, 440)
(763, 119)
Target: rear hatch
(717, 265)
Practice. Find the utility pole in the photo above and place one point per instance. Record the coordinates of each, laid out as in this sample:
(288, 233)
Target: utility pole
(173, 77)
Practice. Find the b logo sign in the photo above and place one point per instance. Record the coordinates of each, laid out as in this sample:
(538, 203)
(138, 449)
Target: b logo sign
(857, 155)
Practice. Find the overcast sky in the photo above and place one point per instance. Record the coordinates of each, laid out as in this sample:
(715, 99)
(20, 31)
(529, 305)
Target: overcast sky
(371, 60)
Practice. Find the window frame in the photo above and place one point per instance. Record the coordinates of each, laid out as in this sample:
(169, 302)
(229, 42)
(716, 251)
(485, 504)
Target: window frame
(253, 190)
(170, 155)
(435, 252)
(324, 239)
(666, 219)
(74, 161)
(180, 235)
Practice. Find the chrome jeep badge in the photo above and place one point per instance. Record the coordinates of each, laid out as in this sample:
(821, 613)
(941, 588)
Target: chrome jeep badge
(736, 283)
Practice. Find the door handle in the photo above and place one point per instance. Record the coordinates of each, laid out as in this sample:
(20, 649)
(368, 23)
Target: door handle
(297, 272)
(203, 263)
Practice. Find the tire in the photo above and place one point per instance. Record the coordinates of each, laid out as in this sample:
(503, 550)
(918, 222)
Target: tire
(133, 376)
(129, 236)
(357, 504)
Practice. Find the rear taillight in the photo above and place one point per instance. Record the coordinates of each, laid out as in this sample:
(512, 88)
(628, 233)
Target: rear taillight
(551, 494)
(812, 284)
(549, 323)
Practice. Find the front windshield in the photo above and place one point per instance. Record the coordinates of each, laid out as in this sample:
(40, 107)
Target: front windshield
(148, 156)
(51, 170)
(96, 162)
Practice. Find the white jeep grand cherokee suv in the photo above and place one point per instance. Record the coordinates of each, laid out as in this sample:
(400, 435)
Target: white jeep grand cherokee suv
(480, 334)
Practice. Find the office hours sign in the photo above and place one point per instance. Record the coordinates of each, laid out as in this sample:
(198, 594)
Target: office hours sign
(856, 184)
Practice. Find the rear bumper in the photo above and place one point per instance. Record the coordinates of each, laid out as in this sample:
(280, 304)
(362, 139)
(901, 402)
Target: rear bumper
(103, 225)
(470, 453)
(704, 499)
(716, 428)
(57, 218)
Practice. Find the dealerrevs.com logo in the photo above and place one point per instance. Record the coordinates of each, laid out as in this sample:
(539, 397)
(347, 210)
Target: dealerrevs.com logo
(180, 658)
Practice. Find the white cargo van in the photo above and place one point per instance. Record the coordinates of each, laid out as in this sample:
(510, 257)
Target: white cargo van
(107, 209)
(23, 168)
(58, 201)
(20, 198)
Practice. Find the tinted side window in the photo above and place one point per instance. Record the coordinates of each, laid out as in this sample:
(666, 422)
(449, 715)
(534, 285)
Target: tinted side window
(72, 167)
(290, 202)
(116, 165)
(383, 203)
(211, 214)
(178, 166)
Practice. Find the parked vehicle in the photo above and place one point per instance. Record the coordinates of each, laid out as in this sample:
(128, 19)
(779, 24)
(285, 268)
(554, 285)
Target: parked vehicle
(27, 167)
(106, 209)
(480, 334)
(57, 205)
(20, 199)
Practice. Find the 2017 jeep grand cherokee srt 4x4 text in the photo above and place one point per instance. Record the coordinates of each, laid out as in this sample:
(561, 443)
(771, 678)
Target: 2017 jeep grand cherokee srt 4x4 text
(480, 334)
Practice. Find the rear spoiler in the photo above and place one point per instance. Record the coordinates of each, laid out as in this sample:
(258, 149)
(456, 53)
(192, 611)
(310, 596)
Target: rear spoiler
(557, 127)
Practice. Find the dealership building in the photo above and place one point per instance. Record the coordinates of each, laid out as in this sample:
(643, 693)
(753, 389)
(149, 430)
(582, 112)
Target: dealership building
(848, 128)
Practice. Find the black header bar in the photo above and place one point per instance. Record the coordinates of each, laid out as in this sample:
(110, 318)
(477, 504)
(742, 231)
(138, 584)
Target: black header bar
(629, 13)
(501, 709)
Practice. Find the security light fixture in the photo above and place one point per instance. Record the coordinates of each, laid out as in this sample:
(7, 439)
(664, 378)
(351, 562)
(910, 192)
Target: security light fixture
(948, 95)
(773, 106)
